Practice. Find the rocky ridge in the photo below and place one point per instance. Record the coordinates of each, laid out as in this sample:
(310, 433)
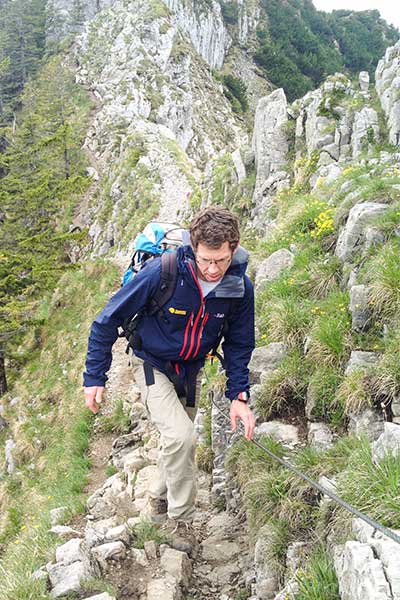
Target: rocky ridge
(329, 129)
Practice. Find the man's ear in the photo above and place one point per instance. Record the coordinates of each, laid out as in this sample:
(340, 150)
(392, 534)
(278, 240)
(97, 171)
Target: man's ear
(237, 247)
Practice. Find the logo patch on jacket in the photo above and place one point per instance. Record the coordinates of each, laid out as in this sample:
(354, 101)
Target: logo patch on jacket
(177, 311)
(219, 315)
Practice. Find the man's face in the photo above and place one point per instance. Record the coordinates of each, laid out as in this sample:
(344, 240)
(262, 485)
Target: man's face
(212, 263)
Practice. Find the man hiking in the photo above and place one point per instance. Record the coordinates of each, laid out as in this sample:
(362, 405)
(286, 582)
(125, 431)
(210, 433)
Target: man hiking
(212, 298)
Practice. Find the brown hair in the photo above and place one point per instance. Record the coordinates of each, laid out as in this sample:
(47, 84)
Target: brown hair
(213, 226)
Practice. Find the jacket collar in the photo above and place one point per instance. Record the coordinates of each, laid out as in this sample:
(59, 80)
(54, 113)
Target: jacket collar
(232, 284)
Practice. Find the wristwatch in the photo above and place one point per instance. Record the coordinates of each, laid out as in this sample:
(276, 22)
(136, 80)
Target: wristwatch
(243, 397)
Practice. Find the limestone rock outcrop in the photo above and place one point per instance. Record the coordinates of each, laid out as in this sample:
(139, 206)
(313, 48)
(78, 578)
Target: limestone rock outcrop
(270, 147)
(387, 78)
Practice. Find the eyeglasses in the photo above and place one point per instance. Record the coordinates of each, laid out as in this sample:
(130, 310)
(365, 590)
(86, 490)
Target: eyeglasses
(220, 262)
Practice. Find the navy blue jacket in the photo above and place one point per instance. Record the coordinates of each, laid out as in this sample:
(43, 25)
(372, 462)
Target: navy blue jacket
(188, 326)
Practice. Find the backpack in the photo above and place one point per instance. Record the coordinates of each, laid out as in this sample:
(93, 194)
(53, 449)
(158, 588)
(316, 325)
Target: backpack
(155, 240)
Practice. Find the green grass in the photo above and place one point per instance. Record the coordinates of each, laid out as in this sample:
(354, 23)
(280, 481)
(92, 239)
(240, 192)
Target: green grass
(318, 580)
(382, 273)
(52, 429)
(372, 488)
(146, 531)
(353, 394)
(323, 385)
(118, 421)
(285, 390)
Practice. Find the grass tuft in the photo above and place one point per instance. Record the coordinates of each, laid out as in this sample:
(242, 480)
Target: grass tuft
(318, 580)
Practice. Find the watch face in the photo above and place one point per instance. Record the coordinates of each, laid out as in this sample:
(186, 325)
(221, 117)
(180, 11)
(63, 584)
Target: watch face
(244, 396)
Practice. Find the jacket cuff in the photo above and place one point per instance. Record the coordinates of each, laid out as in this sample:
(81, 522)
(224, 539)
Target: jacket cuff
(89, 380)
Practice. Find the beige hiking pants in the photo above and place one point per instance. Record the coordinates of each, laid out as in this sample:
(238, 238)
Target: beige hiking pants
(174, 421)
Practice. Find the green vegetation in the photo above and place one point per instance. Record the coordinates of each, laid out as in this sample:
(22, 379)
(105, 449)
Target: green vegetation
(43, 177)
(51, 428)
(297, 44)
(229, 12)
(146, 531)
(235, 91)
(118, 421)
(22, 45)
(287, 507)
(318, 580)
(226, 190)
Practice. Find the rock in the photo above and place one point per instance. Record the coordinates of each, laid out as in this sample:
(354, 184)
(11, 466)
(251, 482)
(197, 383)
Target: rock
(395, 406)
(133, 462)
(3, 424)
(109, 551)
(239, 165)
(373, 237)
(67, 579)
(216, 550)
(219, 522)
(103, 596)
(118, 534)
(112, 499)
(165, 588)
(265, 359)
(64, 531)
(92, 173)
(359, 307)
(387, 85)
(72, 551)
(365, 130)
(363, 80)
(387, 443)
(352, 236)
(140, 557)
(311, 403)
(289, 592)
(267, 577)
(360, 575)
(361, 360)
(205, 29)
(319, 436)
(39, 574)
(388, 553)
(281, 432)
(95, 532)
(223, 575)
(8, 450)
(150, 548)
(178, 565)
(369, 422)
(362, 531)
(270, 142)
(271, 268)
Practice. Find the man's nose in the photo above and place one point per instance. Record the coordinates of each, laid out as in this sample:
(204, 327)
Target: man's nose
(213, 267)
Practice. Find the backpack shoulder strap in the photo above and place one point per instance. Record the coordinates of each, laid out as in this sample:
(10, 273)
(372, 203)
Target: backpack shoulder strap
(169, 276)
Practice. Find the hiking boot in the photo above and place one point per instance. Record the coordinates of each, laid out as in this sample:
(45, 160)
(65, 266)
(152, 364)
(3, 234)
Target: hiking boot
(180, 535)
(159, 508)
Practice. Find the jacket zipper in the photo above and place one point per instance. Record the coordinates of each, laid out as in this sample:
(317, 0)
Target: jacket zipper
(200, 334)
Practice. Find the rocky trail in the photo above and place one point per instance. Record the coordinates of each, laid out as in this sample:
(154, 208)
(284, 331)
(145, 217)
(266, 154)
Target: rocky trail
(114, 541)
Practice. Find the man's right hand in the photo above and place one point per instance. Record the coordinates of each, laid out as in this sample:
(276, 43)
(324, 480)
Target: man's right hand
(93, 397)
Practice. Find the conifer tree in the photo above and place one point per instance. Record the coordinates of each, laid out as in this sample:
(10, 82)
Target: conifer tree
(43, 176)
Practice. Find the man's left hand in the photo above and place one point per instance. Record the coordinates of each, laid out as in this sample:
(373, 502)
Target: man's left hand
(240, 410)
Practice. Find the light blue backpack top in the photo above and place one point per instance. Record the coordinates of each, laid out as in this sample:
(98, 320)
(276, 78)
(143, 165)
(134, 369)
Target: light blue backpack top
(155, 239)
